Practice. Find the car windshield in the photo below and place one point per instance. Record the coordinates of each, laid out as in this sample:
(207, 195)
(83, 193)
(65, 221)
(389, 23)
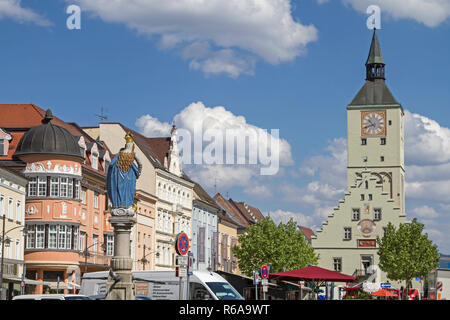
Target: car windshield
(224, 291)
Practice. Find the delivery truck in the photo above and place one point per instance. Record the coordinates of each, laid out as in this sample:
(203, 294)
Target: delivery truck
(165, 285)
(439, 284)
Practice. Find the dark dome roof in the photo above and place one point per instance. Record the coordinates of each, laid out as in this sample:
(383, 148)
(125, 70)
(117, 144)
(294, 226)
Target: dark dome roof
(48, 139)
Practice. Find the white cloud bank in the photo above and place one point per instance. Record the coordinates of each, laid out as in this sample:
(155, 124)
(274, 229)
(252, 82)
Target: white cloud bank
(216, 36)
(197, 117)
(12, 9)
(429, 12)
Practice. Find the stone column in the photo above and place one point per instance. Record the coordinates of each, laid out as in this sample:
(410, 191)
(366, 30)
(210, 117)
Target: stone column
(121, 288)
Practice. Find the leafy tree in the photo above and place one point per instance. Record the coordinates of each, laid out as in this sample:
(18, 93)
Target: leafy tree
(406, 253)
(282, 246)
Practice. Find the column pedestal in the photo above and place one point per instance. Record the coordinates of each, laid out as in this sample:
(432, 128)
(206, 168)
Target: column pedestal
(121, 288)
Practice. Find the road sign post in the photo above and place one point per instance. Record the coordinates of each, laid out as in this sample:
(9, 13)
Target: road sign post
(182, 248)
(264, 275)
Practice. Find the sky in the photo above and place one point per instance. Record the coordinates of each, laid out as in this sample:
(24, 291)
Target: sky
(245, 66)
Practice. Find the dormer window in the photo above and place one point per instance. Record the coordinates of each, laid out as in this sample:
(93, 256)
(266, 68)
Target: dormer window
(94, 161)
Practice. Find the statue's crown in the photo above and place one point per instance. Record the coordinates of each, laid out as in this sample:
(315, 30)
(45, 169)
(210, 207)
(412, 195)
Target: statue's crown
(129, 137)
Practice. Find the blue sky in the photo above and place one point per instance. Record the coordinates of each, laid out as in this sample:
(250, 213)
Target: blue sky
(297, 78)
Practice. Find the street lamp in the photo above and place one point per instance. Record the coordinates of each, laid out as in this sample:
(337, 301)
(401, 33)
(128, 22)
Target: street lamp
(143, 259)
(86, 252)
(7, 243)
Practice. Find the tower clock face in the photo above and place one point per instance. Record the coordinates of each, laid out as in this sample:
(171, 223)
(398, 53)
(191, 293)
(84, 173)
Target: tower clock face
(373, 123)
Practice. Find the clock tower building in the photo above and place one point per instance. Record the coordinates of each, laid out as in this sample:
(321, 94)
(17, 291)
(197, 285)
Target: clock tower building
(375, 131)
(375, 197)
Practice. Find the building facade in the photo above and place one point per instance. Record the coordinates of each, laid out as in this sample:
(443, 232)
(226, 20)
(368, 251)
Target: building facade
(12, 224)
(204, 227)
(375, 192)
(66, 217)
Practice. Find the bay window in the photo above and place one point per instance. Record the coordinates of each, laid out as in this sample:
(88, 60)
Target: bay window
(32, 188)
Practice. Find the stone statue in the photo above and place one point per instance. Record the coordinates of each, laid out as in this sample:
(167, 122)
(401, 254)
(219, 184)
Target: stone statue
(121, 179)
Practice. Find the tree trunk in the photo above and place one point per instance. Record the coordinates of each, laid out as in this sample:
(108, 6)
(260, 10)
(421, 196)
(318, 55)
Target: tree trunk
(406, 295)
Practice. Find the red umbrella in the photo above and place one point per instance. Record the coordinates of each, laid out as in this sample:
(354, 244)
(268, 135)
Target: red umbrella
(384, 293)
(312, 273)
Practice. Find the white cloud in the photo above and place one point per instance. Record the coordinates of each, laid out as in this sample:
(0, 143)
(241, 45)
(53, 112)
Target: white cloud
(152, 127)
(429, 12)
(330, 168)
(426, 142)
(258, 191)
(284, 217)
(12, 9)
(232, 32)
(221, 176)
(424, 212)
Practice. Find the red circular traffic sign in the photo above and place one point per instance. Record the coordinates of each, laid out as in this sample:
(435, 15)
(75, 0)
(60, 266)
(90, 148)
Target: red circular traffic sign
(264, 272)
(182, 243)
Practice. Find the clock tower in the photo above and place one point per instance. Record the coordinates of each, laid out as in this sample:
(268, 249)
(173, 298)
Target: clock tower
(346, 242)
(375, 131)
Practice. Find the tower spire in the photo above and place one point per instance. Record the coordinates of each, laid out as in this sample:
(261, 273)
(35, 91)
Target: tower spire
(375, 64)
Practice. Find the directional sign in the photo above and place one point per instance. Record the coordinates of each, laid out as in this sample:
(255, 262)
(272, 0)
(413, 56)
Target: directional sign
(385, 285)
(264, 272)
(182, 243)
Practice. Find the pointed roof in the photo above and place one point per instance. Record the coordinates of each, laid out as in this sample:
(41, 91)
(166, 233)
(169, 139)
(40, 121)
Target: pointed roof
(375, 55)
(374, 93)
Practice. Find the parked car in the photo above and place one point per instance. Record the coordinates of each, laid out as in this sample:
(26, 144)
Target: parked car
(51, 297)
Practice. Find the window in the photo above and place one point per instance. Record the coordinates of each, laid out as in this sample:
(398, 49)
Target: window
(362, 197)
(68, 237)
(377, 214)
(94, 243)
(96, 200)
(2, 205)
(382, 158)
(365, 158)
(390, 122)
(42, 186)
(2, 147)
(94, 161)
(347, 233)
(31, 236)
(40, 236)
(83, 195)
(382, 141)
(61, 237)
(75, 238)
(32, 188)
(106, 166)
(366, 184)
(70, 188)
(10, 208)
(82, 240)
(54, 187)
(109, 245)
(355, 214)
(370, 197)
(77, 189)
(18, 211)
(52, 236)
(63, 187)
(363, 141)
(337, 264)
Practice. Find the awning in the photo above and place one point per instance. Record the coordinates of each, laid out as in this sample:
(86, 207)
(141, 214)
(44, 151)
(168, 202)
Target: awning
(312, 273)
(12, 278)
(36, 282)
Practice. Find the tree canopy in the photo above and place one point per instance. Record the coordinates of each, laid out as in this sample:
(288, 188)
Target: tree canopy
(406, 253)
(284, 247)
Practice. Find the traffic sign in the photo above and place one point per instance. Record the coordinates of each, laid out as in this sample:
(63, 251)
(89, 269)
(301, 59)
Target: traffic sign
(182, 243)
(264, 272)
(181, 260)
(255, 277)
(385, 285)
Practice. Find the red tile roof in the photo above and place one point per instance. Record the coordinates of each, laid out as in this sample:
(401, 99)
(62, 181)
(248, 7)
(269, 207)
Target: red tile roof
(244, 213)
(307, 232)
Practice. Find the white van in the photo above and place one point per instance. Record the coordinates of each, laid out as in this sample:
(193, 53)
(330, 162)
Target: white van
(51, 297)
(164, 285)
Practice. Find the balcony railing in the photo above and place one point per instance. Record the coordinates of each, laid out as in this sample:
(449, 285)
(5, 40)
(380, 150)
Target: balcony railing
(94, 258)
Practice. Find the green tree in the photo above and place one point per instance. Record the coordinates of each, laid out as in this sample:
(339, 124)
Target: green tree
(282, 246)
(406, 253)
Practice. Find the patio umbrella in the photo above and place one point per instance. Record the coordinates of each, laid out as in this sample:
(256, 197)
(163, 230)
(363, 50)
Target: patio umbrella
(384, 293)
(313, 274)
